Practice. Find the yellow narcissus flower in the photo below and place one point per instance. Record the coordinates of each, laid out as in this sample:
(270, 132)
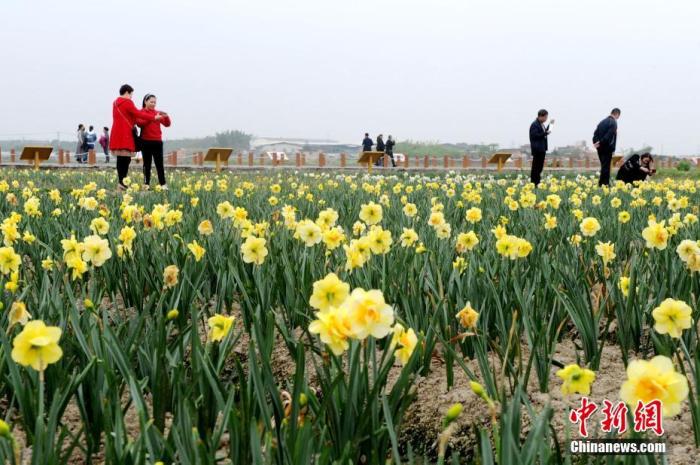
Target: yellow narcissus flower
(506, 246)
(436, 219)
(333, 237)
(225, 210)
(655, 379)
(576, 379)
(589, 226)
(170, 276)
(672, 317)
(28, 237)
(99, 226)
(9, 260)
(687, 249)
(254, 250)
(473, 215)
(368, 314)
(410, 210)
(219, 326)
(96, 250)
(18, 314)
(379, 240)
(575, 239)
(77, 266)
(468, 316)
(623, 217)
(354, 257)
(371, 213)
(333, 327)
(309, 233)
(37, 345)
(499, 231)
(694, 262)
(205, 228)
(624, 285)
(47, 264)
(329, 292)
(655, 235)
(443, 231)
(327, 218)
(606, 251)
(31, 207)
(358, 228)
(550, 222)
(408, 237)
(460, 264)
(71, 247)
(405, 341)
(197, 250)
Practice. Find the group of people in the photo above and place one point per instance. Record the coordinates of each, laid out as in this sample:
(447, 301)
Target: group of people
(635, 168)
(126, 139)
(87, 140)
(387, 148)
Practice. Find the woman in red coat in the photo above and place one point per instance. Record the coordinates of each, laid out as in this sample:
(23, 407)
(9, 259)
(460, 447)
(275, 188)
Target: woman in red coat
(152, 141)
(124, 116)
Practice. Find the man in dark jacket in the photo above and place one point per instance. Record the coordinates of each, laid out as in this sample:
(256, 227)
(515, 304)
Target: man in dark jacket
(389, 149)
(604, 140)
(538, 144)
(367, 143)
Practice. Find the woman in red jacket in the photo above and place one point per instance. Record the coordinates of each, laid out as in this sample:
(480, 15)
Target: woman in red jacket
(124, 116)
(152, 141)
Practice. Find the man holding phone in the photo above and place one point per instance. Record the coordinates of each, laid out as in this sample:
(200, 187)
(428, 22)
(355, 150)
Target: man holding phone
(539, 144)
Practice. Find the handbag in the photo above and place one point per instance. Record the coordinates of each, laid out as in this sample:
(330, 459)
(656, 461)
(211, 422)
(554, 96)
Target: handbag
(138, 142)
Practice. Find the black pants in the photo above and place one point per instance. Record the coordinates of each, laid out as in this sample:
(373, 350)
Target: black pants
(123, 168)
(605, 157)
(152, 150)
(537, 166)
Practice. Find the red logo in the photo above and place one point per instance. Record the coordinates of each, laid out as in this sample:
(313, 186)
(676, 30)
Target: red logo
(581, 415)
(647, 417)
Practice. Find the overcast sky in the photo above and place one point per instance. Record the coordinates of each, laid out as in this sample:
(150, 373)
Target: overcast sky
(447, 70)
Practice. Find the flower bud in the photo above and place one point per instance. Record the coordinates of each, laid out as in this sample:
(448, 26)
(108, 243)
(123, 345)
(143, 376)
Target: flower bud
(452, 413)
(173, 314)
(477, 388)
(5, 429)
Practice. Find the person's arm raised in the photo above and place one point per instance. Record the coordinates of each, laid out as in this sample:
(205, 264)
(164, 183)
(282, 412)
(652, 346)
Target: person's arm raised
(140, 115)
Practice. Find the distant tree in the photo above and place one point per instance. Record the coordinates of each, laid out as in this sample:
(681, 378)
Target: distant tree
(235, 139)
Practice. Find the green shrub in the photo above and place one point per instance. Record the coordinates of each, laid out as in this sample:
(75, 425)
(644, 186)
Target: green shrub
(683, 166)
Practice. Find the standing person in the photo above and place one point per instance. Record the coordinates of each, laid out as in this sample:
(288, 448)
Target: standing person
(380, 148)
(605, 140)
(152, 141)
(91, 140)
(636, 168)
(104, 142)
(380, 143)
(367, 143)
(122, 143)
(389, 150)
(538, 144)
(80, 149)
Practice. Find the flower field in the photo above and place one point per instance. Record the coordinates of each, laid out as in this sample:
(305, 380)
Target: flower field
(325, 318)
